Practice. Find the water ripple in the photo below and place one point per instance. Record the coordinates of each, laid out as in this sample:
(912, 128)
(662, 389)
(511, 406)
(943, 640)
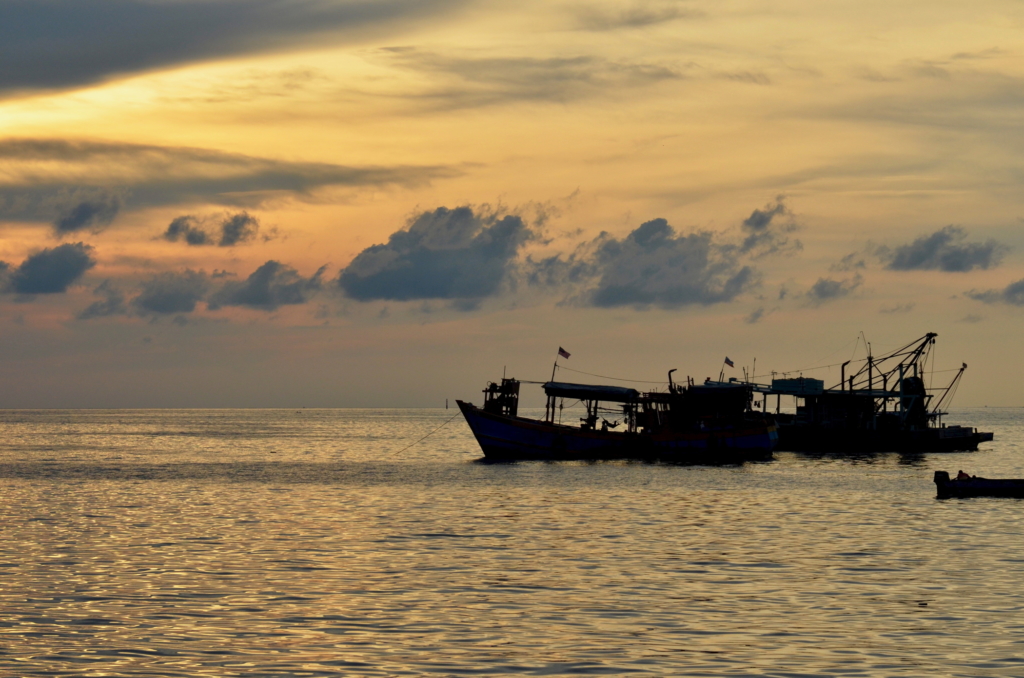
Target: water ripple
(194, 553)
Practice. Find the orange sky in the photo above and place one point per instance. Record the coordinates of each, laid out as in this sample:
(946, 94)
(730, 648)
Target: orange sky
(387, 203)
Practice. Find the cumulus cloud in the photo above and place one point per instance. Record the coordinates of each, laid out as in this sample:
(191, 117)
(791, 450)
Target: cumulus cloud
(87, 210)
(238, 228)
(766, 231)
(172, 292)
(827, 289)
(186, 228)
(68, 182)
(760, 220)
(234, 229)
(68, 43)
(51, 271)
(943, 250)
(1011, 294)
(445, 254)
(178, 293)
(270, 286)
(113, 302)
(654, 266)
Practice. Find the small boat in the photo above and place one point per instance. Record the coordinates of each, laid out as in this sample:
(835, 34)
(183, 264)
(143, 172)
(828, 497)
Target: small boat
(686, 424)
(973, 486)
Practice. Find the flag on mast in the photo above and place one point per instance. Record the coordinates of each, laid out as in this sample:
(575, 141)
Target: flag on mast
(562, 352)
(728, 362)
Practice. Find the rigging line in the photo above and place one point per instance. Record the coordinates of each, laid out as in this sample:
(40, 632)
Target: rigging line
(602, 376)
(428, 435)
(829, 356)
(806, 369)
(811, 369)
(821, 367)
(933, 355)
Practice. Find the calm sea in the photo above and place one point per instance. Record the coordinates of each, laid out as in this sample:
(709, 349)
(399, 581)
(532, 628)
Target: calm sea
(310, 543)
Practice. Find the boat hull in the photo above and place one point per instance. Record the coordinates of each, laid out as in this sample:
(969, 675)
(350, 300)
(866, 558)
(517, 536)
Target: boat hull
(803, 438)
(506, 438)
(977, 487)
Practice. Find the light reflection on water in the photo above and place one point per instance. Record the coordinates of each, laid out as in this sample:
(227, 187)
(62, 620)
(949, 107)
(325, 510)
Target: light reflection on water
(286, 543)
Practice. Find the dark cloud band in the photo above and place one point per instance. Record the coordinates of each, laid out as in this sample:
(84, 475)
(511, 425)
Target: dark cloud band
(47, 44)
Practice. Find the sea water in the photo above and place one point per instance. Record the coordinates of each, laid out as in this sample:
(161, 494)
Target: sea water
(336, 542)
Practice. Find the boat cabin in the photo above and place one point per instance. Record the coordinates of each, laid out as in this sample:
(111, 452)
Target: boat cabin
(592, 396)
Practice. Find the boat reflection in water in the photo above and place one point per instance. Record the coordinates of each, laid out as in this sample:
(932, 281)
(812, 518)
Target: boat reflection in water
(711, 423)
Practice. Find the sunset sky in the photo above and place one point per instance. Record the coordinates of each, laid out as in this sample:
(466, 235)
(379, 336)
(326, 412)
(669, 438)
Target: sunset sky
(344, 203)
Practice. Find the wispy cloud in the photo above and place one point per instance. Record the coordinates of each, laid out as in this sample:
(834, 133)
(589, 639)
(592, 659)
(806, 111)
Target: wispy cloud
(638, 14)
(829, 289)
(898, 308)
(458, 81)
(1011, 294)
(84, 184)
(112, 303)
(87, 210)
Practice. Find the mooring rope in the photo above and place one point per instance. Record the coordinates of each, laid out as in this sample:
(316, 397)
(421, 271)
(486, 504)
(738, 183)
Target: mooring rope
(428, 435)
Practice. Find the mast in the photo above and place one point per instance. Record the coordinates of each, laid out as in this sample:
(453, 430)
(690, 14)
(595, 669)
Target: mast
(936, 411)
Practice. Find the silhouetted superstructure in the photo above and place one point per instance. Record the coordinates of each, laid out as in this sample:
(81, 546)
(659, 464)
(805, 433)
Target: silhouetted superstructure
(883, 406)
(710, 423)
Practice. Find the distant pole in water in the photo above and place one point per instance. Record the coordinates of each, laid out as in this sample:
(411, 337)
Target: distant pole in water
(446, 403)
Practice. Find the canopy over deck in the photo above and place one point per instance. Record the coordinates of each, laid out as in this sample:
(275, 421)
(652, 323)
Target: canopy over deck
(608, 394)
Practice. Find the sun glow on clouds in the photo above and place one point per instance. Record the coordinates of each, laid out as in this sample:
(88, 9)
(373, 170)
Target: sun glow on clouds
(777, 176)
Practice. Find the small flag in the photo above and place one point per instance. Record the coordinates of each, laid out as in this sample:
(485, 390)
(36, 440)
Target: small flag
(562, 352)
(728, 362)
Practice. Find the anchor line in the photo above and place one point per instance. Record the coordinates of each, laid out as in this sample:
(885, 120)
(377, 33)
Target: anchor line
(428, 435)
